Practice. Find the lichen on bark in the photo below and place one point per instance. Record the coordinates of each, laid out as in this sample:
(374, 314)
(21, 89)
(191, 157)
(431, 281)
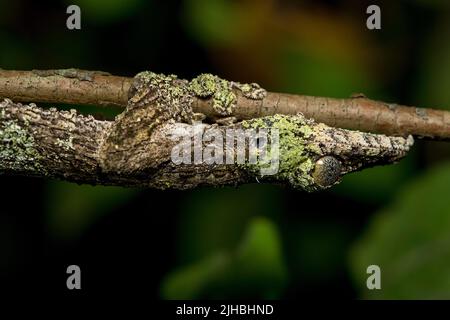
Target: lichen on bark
(296, 153)
(19, 151)
(221, 90)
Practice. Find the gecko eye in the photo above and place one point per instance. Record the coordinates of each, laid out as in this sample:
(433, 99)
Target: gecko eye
(327, 171)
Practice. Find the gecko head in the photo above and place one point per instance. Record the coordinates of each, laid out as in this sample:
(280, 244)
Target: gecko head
(338, 152)
(313, 156)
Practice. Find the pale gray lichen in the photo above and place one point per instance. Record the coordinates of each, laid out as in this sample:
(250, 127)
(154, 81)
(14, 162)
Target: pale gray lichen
(17, 148)
(66, 144)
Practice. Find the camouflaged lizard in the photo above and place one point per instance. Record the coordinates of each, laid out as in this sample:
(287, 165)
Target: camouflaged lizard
(312, 156)
(136, 148)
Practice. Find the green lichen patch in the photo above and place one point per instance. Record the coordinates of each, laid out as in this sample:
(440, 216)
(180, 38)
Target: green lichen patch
(221, 91)
(296, 156)
(204, 85)
(175, 96)
(17, 148)
(170, 95)
(224, 102)
(208, 85)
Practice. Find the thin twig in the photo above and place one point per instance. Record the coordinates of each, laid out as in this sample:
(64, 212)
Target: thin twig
(74, 86)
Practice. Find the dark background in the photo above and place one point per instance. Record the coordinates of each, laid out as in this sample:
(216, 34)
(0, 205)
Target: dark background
(254, 241)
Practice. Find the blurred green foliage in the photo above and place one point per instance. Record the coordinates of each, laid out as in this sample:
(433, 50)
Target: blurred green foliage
(255, 269)
(213, 22)
(221, 236)
(72, 208)
(310, 74)
(432, 85)
(215, 219)
(379, 184)
(105, 11)
(410, 241)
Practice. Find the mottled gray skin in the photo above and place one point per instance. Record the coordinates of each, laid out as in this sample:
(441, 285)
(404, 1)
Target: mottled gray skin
(135, 149)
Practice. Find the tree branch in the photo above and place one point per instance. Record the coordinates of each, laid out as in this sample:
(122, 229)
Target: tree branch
(358, 113)
(158, 126)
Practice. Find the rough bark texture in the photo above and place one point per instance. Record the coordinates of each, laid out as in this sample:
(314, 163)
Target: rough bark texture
(357, 113)
(137, 148)
(60, 144)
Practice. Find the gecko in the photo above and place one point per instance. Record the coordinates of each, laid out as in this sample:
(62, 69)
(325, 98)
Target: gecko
(312, 156)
